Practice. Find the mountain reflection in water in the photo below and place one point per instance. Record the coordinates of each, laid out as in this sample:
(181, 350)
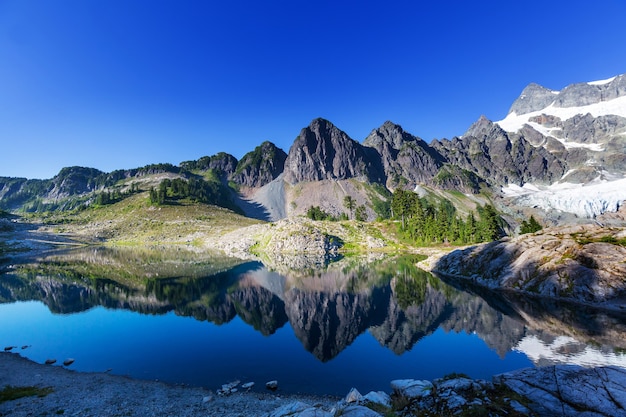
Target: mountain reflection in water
(328, 306)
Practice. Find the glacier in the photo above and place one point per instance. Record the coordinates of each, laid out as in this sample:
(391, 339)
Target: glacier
(584, 200)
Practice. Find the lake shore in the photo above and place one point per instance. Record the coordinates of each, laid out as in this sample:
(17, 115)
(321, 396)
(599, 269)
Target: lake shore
(552, 390)
(101, 394)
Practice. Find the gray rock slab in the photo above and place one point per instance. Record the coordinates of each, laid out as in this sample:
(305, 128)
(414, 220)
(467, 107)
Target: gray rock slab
(300, 409)
(358, 411)
(569, 390)
(378, 397)
(412, 388)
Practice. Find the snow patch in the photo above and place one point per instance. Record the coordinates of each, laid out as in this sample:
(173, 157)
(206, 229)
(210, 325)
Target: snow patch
(513, 122)
(602, 82)
(550, 132)
(588, 200)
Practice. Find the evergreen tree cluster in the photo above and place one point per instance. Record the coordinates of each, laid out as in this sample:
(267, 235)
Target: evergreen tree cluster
(110, 197)
(317, 213)
(193, 189)
(530, 226)
(426, 222)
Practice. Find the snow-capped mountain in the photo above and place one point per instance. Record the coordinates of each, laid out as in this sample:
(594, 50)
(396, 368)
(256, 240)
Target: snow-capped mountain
(584, 126)
(559, 114)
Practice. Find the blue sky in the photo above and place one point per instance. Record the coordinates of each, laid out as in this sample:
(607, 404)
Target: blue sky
(120, 83)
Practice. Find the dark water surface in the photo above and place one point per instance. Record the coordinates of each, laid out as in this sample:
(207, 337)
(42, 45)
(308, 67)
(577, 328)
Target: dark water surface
(181, 317)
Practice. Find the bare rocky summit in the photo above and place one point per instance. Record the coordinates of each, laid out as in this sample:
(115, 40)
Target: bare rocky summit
(261, 166)
(323, 152)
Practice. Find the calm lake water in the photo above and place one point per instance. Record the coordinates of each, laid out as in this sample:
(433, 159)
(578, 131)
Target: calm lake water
(315, 327)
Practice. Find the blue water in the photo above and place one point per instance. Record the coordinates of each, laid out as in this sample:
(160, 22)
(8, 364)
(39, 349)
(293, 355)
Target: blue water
(183, 350)
(324, 331)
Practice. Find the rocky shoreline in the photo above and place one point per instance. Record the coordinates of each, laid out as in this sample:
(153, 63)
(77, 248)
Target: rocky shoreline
(582, 264)
(553, 390)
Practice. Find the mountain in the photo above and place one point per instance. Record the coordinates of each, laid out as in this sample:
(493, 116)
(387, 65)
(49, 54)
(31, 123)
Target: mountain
(222, 164)
(584, 127)
(261, 166)
(558, 154)
(323, 152)
(501, 158)
(406, 159)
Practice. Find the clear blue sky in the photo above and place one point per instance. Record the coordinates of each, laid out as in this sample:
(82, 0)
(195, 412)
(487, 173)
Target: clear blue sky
(122, 83)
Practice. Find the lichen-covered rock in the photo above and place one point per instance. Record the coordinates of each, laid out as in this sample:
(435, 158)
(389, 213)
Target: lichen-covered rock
(580, 263)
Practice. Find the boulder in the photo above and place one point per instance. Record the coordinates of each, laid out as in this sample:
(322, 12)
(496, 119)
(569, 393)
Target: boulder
(411, 388)
(354, 396)
(299, 409)
(378, 397)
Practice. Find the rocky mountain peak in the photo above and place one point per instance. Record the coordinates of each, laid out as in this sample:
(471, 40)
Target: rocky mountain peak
(389, 133)
(584, 94)
(222, 163)
(261, 166)
(322, 152)
(483, 128)
(74, 180)
(534, 97)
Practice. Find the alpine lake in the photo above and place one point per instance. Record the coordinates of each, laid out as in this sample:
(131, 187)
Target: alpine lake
(315, 325)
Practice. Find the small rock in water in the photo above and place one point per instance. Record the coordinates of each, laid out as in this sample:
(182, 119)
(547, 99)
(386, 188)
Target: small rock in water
(8, 348)
(68, 361)
(50, 361)
(207, 399)
(25, 347)
(247, 385)
(272, 385)
(228, 389)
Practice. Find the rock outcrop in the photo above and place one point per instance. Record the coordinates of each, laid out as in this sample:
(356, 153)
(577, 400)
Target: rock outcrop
(579, 263)
(549, 391)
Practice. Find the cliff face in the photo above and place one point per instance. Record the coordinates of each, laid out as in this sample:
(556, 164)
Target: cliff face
(406, 159)
(323, 152)
(499, 157)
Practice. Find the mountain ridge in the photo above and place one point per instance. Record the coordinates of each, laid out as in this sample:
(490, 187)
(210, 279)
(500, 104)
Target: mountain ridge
(577, 135)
